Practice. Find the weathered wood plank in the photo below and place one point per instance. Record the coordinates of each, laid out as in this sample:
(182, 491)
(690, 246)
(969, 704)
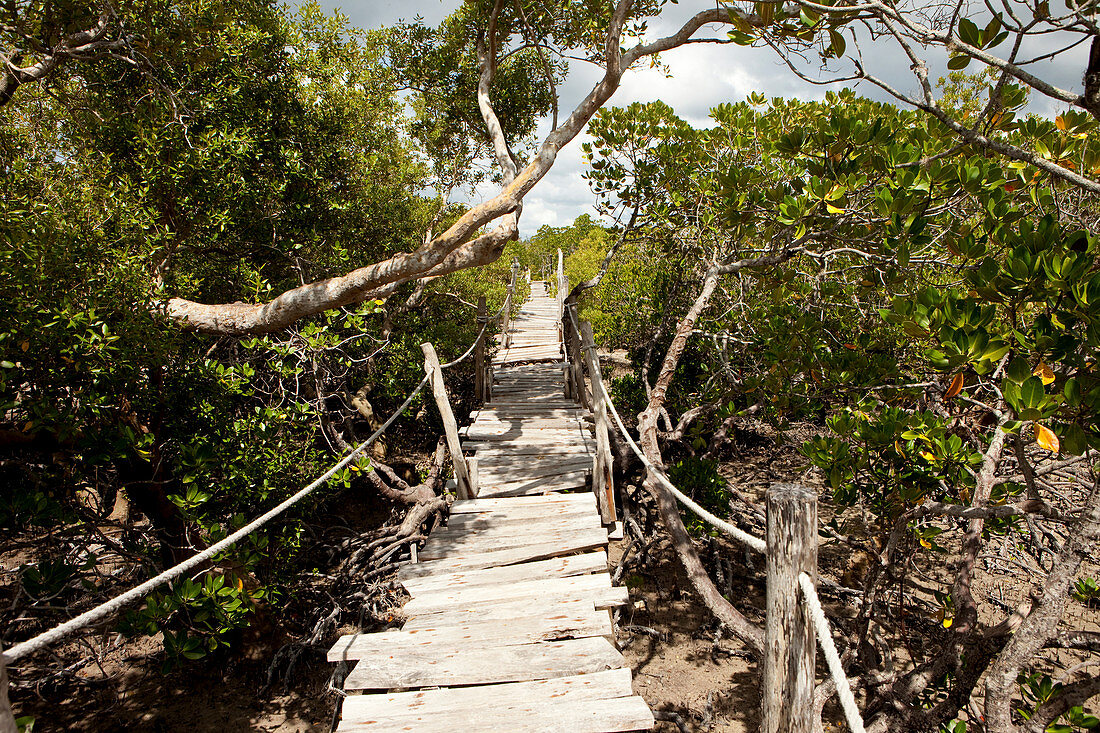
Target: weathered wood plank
(458, 544)
(578, 623)
(495, 664)
(510, 556)
(606, 685)
(579, 716)
(566, 482)
(513, 531)
(464, 506)
(579, 587)
(558, 567)
(518, 515)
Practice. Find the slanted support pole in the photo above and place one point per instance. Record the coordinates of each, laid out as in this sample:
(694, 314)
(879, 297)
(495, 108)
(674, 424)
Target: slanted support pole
(466, 488)
(573, 350)
(789, 642)
(7, 717)
(479, 354)
(603, 482)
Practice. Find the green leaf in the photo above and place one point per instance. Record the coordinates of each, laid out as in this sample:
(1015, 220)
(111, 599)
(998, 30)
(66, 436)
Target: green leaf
(838, 44)
(1032, 392)
(1018, 370)
(968, 33)
(957, 62)
(1072, 391)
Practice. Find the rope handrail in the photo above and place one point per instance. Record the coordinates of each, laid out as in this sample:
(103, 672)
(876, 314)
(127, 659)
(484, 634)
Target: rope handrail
(753, 542)
(109, 608)
(832, 658)
(112, 606)
(481, 333)
(809, 593)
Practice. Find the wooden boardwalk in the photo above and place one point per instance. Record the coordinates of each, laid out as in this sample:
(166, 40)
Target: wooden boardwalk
(509, 626)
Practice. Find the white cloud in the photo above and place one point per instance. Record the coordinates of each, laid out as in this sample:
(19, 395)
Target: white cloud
(703, 76)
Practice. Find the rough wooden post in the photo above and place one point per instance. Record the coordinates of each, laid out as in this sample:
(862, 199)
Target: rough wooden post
(7, 717)
(450, 426)
(560, 276)
(790, 647)
(602, 481)
(580, 394)
(479, 354)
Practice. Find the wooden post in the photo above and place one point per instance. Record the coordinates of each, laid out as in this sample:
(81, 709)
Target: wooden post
(450, 426)
(573, 349)
(789, 643)
(7, 717)
(603, 482)
(560, 276)
(479, 354)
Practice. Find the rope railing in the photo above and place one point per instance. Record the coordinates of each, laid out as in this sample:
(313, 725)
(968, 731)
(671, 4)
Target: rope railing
(832, 658)
(109, 608)
(808, 592)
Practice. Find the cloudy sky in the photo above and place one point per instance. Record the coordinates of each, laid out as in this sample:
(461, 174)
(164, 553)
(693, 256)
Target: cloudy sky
(702, 76)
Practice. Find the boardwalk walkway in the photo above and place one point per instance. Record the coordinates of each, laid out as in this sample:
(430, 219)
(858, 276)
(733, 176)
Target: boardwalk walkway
(508, 627)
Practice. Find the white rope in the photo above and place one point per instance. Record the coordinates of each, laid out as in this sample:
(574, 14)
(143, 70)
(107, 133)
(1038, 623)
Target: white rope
(105, 610)
(825, 636)
(737, 533)
(464, 357)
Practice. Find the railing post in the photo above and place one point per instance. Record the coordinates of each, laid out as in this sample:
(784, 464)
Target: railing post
(466, 488)
(603, 482)
(789, 643)
(573, 350)
(479, 354)
(7, 717)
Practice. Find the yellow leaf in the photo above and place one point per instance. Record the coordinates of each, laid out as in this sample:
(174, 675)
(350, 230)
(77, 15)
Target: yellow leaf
(833, 209)
(926, 544)
(947, 622)
(25, 345)
(1060, 122)
(1044, 373)
(956, 386)
(927, 456)
(1046, 438)
(850, 347)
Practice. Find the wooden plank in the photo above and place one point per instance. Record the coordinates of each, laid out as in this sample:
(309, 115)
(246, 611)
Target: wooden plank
(581, 622)
(558, 567)
(577, 716)
(565, 482)
(463, 506)
(578, 587)
(606, 685)
(496, 462)
(510, 556)
(496, 664)
(514, 531)
(476, 520)
(456, 543)
(513, 474)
